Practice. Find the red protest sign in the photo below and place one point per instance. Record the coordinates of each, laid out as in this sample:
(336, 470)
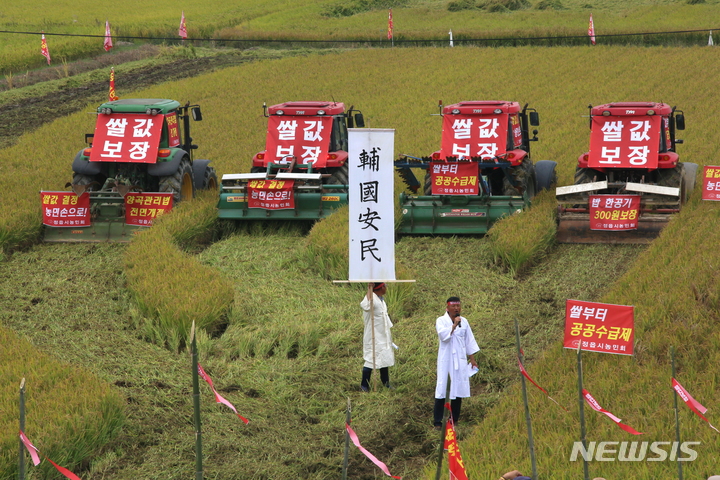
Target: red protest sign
(142, 208)
(614, 212)
(711, 183)
(599, 327)
(626, 142)
(472, 136)
(65, 209)
(454, 178)
(271, 194)
(131, 138)
(172, 128)
(305, 139)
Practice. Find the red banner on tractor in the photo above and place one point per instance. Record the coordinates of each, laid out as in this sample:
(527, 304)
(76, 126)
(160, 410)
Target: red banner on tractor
(614, 212)
(624, 142)
(131, 138)
(65, 209)
(142, 208)
(173, 131)
(307, 141)
(599, 327)
(271, 194)
(454, 178)
(711, 183)
(467, 136)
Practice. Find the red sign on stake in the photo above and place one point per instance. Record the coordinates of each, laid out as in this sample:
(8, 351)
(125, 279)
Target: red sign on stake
(271, 194)
(614, 212)
(142, 208)
(454, 178)
(65, 209)
(599, 327)
(711, 183)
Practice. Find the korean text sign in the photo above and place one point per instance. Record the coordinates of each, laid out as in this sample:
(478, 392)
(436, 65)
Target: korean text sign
(65, 209)
(614, 212)
(271, 194)
(371, 204)
(454, 178)
(127, 138)
(473, 136)
(711, 183)
(624, 141)
(304, 139)
(599, 327)
(142, 208)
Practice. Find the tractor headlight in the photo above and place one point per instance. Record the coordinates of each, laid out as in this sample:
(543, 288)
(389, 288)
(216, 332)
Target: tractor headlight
(321, 112)
(497, 111)
(455, 111)
(280, 112)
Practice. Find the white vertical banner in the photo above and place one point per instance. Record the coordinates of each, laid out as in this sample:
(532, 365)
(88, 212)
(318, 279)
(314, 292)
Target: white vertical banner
(371, 204)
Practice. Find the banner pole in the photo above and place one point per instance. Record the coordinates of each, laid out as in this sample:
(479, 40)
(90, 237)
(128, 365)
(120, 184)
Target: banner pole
(581, 401)
(196, 405)
(21, 455)
(677, 412)
(528, 422)
(441, 448)
(371, 296)
(347, 442)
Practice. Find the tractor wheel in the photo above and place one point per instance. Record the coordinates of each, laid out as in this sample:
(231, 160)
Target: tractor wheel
(524, 176)
(339, 177)
(588, 175)
(180, 183)
(427, 187)
(673, 177)
(689, 178)
(545, 174)
(210, 181)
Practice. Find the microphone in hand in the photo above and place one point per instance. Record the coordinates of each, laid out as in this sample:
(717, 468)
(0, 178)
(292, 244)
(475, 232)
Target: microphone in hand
(456, 316)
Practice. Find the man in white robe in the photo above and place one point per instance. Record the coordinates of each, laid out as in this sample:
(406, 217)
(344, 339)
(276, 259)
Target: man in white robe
(378, 354)
(457, 346)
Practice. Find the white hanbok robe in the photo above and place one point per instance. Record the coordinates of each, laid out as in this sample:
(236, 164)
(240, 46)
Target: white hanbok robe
(452, 357)
(384, 354)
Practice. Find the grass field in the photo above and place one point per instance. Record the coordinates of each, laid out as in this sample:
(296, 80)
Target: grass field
(296, 394)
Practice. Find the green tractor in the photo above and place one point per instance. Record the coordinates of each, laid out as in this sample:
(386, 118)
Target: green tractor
(138, 163)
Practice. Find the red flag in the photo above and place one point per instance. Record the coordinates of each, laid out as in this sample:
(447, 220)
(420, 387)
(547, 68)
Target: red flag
(44, 48)
(527, 375)
(390, 25)
(373, 458)
(219, 398)
(694, 405)
(455, 461)
(108, 38)
(183, 28)
(591, 30)
(64, 470)
(32, 449)
(596, 406)
(111, 94)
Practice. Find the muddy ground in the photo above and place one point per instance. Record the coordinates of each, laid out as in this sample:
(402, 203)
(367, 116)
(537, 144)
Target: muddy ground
(29, 114)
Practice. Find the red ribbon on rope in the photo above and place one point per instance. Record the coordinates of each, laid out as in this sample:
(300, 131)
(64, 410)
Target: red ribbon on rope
(694, 405)
(372, 457)
(219, 398)
(596, 406)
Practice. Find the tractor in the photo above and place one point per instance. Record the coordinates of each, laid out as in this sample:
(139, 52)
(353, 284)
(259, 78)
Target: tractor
(630, 182)
(302, 174)
(482, 172)
(138, 163)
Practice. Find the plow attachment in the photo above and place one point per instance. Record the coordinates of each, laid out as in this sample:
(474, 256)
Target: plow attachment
(450, 215)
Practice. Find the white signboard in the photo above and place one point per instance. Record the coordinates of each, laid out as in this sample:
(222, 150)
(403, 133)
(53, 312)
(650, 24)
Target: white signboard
(372, 204)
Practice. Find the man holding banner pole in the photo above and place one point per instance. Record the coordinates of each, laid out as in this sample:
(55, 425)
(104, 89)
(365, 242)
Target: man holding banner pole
(457, 347)
(377, 338)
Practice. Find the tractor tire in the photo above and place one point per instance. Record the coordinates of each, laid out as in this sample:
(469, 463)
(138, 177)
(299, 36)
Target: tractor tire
(689, 178)
(180, 184)
(588, 175)
(545, 174)
(672, 177)
(524, 175)
(210, 180)
(427, 186)
(339, 177)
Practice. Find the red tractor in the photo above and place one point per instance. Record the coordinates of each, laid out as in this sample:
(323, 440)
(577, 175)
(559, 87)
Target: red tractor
(631, 181)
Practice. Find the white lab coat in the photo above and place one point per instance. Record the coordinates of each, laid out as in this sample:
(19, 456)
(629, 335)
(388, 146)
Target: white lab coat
(384, 354)
(452, 357)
